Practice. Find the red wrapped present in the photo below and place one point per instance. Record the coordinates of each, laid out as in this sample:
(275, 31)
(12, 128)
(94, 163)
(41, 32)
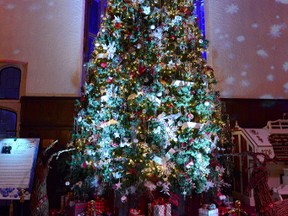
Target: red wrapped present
(76, 209)
(222, 210)
(101, 205)
(159, 207)
(174, 199)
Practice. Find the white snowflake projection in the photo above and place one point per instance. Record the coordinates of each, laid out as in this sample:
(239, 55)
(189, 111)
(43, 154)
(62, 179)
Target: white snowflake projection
(34, 7)
(245, 83)
(243, 73)
(246, 66)
(230, 80)
(270, 77)
(226, 93)
(227, 45)
(240, 38)
(51, 3)
(282, 1)
(16, 51)
(272, 67)
(266, 96)
(49, 16)
(285, 86)
(254, 25)
(217, 31)
(276, 30)
(231, 56)
(285, 66)
(262, 53)
(10, 6)
(232, 9)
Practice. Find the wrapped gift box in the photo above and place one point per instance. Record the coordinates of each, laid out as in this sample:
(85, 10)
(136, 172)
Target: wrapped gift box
(207, 212)
(159, 209)
(222, 210)
(101, 205)
(76, 209)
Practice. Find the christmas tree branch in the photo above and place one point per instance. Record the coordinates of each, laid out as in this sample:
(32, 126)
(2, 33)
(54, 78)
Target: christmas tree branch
(50, 146)
(57, 154)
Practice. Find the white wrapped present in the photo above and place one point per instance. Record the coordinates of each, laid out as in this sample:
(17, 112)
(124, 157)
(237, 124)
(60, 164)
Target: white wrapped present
(208, 212)
(159, 210)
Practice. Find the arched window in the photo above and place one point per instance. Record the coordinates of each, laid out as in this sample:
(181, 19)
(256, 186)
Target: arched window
(12, 87)
(10, 83)
(8, 123)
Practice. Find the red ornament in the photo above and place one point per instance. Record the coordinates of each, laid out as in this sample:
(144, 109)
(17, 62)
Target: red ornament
(84, 164)
(170, 105)
(82, 99)
(110, 79)
(141, 69)
(187, 11)
(103, 64)
(118, 25)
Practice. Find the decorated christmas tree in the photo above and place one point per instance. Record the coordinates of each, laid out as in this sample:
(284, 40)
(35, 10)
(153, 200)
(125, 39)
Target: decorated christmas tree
(149, 117)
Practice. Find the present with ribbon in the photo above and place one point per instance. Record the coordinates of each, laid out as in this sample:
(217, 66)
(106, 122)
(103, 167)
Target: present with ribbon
(101, 205)
(208, 210)
(159, 207)
(222, 210)
(77, 208)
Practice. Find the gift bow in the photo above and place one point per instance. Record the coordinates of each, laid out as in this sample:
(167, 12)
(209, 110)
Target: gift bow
(160, 201)
(134, 212)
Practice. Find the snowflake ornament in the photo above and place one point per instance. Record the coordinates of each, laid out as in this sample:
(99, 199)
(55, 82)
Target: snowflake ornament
(117, 19)
(176, 21)
(158, 33)
(146, 10)
(111, 50)
(150, 185)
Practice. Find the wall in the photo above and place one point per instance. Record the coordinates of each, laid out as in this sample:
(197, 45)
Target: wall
(48, 35)
(248, 47)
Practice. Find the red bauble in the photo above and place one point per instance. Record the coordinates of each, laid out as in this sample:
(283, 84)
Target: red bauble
(118, 25)
(141, 69)
(110, 79)
(103, 64)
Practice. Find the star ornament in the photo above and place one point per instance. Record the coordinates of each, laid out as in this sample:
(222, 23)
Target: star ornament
(118, 185)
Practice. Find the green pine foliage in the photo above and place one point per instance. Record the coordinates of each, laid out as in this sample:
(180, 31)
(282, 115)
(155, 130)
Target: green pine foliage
(149, 116)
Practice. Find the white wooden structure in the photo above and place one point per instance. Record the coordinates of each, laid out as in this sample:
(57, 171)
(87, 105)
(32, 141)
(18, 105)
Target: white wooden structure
(271, 140)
